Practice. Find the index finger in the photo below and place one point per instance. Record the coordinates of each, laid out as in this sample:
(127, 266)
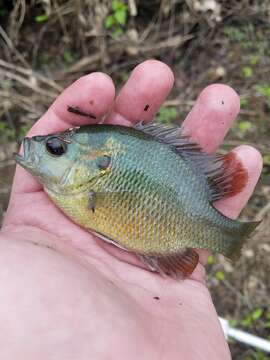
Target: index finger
(212, 116)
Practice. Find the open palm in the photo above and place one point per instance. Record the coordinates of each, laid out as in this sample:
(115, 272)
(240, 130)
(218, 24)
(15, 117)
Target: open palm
(89, 299)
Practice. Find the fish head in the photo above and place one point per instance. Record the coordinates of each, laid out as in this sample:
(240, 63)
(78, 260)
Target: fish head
(62, 163)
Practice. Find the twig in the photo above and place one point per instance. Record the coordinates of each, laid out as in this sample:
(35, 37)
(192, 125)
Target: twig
(8, 94)
(174, 41)
(81, 64)
(178, 102)
(247, 112)
(11, 47)
(119, 47)
(263, 211)
(16, 19)
(263, 148)
(23, 102)
(5, 163)
(132, 7)
(31, 73)
(148, 30)
(237, 293)
(5, 190)
(29, 84)
(60, 18)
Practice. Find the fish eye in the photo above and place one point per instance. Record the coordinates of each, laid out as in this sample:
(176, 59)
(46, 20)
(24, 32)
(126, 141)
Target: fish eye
(56, 146)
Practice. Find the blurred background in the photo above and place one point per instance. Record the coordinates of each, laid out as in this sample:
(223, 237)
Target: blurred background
(47, 44)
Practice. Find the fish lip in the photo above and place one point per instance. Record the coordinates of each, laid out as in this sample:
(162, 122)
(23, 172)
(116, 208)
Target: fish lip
(24, 158)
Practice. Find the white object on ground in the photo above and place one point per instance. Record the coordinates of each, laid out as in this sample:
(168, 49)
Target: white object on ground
(243, 336)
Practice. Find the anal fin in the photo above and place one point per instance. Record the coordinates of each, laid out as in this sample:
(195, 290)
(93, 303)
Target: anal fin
(177, 265)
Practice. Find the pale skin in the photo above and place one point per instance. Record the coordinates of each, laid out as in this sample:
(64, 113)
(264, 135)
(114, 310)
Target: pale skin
(66, 295)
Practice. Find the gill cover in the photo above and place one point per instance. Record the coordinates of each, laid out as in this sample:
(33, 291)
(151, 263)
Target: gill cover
(62, 163)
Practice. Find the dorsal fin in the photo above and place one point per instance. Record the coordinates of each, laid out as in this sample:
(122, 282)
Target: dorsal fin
(225, 174)
(172, 136)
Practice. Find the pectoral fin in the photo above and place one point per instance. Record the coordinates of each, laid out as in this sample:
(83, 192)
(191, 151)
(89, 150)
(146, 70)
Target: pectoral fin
(110, 241)
(91, 201)
(178, 265)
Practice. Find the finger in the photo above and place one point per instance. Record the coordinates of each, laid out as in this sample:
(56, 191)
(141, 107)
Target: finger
(212, 116)
(142, 95)
(93, 93)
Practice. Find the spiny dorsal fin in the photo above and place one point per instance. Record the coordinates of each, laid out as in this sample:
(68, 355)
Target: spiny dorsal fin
(172, 136)
(225, 175)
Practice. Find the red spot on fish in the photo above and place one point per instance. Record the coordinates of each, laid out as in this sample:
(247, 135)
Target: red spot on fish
(239, 176)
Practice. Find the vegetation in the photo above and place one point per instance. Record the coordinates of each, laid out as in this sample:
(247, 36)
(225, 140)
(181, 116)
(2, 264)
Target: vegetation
(117, 18)
(45, 45)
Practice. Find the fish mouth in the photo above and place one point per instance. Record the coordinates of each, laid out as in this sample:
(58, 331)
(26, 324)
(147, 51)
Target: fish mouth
(24, 159)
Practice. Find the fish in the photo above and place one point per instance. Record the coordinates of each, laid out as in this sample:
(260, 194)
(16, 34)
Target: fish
(147, 189)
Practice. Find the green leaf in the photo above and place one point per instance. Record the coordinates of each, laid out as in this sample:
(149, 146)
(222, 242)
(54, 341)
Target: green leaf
(124, 75)
(6, 131)
(23, 130)
(253, 316)
(267, 325)
(243, 102)
(247, 71)
(233, 322)
(220, 275)
(68, 57)
(3, 12)
(244, 125)
(166, 115)
(118, 5)
(117, 32)
(44, 59)
(41, 18)
(109, 21)
(264, 90)
(247, 322)
(257, 313)
(259, 355)
(266, 161)
(235, 33)
(121, 16)
(254, 59)
(210, 260)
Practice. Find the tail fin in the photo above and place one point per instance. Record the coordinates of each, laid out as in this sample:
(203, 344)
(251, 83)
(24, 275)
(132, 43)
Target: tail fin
(244, 229)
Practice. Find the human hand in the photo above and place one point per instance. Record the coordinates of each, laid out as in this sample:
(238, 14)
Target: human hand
(89, 299)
